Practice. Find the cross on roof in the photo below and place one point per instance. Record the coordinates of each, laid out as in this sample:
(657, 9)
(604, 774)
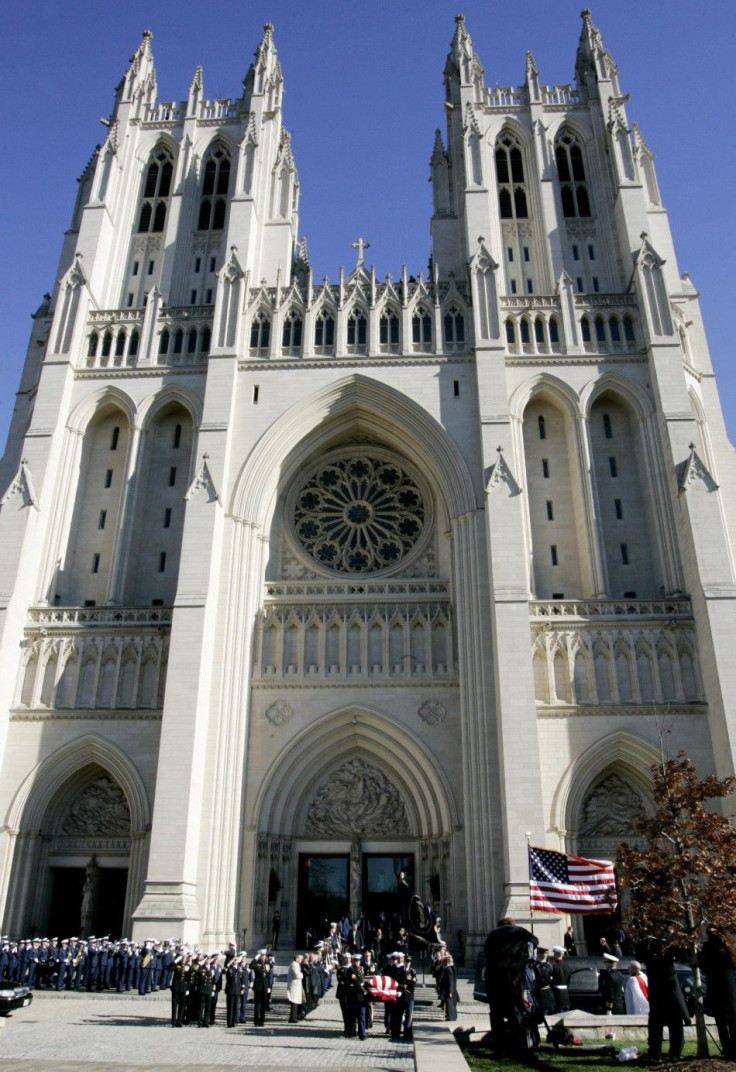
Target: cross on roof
(361, 245)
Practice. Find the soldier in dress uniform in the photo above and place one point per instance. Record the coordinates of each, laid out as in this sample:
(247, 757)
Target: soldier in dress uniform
(261, 973)
(179, 989)
(233, 989)
(245, 968)
(355, 998)
(205, 990)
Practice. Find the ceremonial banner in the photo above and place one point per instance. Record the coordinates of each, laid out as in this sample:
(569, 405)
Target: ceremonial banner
(562, 883)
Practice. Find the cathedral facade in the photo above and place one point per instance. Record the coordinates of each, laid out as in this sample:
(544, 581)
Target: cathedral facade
(306, 583)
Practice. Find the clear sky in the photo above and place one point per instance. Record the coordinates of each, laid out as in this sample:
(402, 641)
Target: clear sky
(363, 96)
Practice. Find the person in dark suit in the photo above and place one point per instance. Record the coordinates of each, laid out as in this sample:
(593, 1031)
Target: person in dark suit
(508, 949)
(205, 990)
(179, 989)
(718, 959)
(666, 1002)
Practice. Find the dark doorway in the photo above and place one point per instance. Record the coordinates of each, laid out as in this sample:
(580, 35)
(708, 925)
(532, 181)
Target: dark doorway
(110, 908)
(324, 894)
(66, 901)
(381, 887)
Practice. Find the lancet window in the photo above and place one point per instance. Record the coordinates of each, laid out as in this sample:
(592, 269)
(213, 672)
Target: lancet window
(571, 172)
(389, 329)
(260, 333)
(454, 323)
(512, 199)
(156, 190)
(291, 336)
(213, 205)
(324, 333)
(421, 330)
(357, 330)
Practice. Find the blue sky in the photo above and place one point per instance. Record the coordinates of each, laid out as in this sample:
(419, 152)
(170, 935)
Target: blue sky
(363, 96)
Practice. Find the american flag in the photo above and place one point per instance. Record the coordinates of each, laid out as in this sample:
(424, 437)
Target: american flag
(562, 883)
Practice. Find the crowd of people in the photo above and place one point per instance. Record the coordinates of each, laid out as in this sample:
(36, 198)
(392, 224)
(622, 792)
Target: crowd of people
(524, 986)
(357, 959)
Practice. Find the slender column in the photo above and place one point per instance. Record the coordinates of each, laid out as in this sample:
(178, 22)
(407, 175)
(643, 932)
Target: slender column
(123, 541)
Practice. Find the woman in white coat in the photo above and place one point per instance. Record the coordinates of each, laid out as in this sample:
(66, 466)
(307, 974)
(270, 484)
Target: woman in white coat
(295, 990)
(636, 991)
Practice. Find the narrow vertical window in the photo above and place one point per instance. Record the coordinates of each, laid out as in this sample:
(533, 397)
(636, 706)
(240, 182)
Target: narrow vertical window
(156, 190)
(102, 519)
(114, 439)
(550, 511)
(162, 562)
(456, 388)
(213, 204)
(542, 427)
(167, 517)
(108, 478)
(619, 509)
(172, 476)
(545, 468)
(197, 265)
(135, 268)
(255, 394)
(512, 199)
(553, 554)
(95, 563)
(607, 428)
(612, 467)
(177, 437)
(625, 554)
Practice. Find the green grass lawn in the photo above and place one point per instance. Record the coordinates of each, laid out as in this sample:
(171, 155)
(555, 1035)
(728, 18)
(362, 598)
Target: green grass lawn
(547, 1060)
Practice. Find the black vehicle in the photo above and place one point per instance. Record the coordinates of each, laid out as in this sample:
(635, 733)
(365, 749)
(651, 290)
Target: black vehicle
(13, 996)
(582, 989)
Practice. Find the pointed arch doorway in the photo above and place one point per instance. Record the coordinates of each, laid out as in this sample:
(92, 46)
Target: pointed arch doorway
(355, 800)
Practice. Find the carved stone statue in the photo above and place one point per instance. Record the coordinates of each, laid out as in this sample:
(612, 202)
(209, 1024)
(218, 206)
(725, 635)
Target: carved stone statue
(357, 801)
(89, 897)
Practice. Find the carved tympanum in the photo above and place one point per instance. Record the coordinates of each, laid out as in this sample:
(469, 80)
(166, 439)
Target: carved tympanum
(100, 810)
(356, 800)
(611, 809)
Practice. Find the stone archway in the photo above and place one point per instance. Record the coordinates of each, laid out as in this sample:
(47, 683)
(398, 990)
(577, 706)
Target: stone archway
(357, 794)
(78, 839)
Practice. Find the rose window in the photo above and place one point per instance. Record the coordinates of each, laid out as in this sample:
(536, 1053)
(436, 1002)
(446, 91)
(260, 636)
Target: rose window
(359, 513)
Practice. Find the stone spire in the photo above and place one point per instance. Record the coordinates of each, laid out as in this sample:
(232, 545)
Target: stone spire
(459, 68)
(593, 62)
(264, 74)
(140, 77)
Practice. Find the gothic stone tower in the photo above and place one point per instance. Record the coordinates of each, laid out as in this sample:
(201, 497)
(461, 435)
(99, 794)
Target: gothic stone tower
(305, 582)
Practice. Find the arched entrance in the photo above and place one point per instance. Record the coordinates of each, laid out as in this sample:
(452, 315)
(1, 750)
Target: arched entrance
(79, 823)
(353, 802)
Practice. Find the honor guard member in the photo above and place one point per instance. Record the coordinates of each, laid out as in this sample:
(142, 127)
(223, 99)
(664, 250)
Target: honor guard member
(545, 978)
(261, 972)
(355, 998)
(341, 991)
(560, 979)
(611, 986)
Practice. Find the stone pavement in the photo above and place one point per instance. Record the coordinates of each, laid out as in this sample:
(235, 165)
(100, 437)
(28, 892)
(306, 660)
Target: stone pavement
(71, 1032)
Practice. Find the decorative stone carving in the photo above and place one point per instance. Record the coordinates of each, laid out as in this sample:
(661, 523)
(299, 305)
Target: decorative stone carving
(279, 713)
(611, 809)
(695, 469)
(501, 474)
(356, 800)
(432, 712)
(22, 484)
(203, 482)
(100, 809)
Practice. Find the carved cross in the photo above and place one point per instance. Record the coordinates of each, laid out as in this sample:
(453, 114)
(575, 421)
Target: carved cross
(361, 245)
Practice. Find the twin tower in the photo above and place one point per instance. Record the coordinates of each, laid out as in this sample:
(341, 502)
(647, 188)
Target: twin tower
(306, 583)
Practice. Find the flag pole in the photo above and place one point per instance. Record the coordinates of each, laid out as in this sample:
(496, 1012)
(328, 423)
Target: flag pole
(528, 836)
